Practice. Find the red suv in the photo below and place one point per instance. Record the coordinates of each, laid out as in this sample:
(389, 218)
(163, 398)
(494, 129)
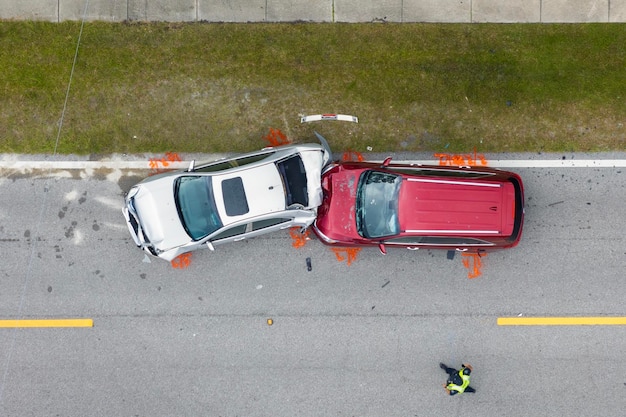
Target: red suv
(468, 209)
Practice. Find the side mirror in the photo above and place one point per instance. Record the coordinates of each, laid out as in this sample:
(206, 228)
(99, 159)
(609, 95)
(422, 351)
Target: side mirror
(210, 245)
(382, 249)
(192, 165)
(387, 161)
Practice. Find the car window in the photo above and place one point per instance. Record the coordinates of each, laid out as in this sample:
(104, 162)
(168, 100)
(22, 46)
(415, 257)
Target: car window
(214, 167)
(196, 207)
(234, 196)
(245, 160)
(262, 224)
(224, 164)
(431, 172)
(411, 240)
(438, 241)
(230, 232)
(452, 241)
(377, 204)
(294, 179)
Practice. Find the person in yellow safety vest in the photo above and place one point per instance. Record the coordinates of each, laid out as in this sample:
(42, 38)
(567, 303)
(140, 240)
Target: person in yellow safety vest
(458, 381)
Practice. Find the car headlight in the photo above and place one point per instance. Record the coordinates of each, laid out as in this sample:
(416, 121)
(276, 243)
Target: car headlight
(132, 192)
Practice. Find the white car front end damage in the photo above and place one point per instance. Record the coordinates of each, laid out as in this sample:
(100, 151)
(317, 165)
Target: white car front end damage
(152, 217)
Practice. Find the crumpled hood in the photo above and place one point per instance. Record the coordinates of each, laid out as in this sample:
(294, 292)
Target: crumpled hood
(336, 217)
(313, 163)
(155, 207)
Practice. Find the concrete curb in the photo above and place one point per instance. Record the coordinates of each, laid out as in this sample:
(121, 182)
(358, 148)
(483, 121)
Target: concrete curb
(243, 11)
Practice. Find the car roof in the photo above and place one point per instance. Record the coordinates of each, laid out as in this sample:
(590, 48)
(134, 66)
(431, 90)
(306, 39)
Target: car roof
(247, 193)
(442, 206)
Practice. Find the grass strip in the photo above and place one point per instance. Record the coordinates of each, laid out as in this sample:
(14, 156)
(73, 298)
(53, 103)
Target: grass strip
(157, 87)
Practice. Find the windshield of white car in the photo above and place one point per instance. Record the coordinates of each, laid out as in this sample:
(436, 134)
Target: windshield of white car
(377, 204)
(196, 206)
(294, 180)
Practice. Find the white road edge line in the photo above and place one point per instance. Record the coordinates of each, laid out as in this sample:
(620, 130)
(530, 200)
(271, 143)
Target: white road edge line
(147, 165)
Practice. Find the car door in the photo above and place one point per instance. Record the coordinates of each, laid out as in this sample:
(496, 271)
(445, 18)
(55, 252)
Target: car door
(232, 233)
(269, 225)
(409, 242)
(250, 229)
(461, 244)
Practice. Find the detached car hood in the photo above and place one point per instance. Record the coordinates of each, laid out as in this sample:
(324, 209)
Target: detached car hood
(158, 219)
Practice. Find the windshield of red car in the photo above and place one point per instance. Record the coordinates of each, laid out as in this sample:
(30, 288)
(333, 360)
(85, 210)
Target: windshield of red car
(377, 204)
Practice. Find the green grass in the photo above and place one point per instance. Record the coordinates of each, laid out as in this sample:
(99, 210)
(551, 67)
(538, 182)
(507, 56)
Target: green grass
(220, 87)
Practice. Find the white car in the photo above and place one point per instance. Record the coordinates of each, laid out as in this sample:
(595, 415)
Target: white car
(227, 200)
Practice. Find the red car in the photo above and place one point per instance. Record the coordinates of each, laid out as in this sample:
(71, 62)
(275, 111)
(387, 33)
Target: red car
(417, 206)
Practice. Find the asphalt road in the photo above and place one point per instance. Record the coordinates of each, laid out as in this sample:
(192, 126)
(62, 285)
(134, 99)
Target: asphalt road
(359, 339)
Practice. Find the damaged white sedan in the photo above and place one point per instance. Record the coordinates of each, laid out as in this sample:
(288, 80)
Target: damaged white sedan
(227, 200)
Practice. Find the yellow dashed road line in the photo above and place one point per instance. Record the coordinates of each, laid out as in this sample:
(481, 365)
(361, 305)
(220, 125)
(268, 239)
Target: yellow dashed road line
(561, 321)
(46, 323)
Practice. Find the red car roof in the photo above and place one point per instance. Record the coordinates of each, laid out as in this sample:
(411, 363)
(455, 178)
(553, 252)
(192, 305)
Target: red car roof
(442, 206)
